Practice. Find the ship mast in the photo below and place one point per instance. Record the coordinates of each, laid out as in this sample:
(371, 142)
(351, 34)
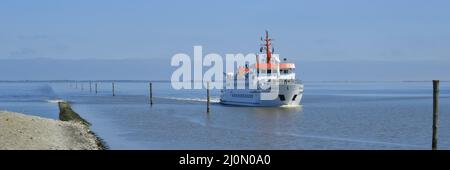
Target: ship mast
(267, 45)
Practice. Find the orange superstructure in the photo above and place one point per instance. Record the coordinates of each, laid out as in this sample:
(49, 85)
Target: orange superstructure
(273, 66)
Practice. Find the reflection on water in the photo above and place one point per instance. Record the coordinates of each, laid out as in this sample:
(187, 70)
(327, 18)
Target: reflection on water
(332, 116)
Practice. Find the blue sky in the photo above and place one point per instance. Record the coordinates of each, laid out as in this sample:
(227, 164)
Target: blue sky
(310, 30)
(314, 30)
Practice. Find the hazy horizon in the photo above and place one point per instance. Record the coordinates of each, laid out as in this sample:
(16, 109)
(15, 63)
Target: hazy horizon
(329, 40)
(146, 69)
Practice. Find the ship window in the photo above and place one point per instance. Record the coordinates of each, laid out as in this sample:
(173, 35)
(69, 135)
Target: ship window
(269, 71)
(293, 98)
(242, 95)
(284, 71)
(281, 97)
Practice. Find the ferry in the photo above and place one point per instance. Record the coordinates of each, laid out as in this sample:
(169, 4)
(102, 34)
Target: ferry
(268, 82)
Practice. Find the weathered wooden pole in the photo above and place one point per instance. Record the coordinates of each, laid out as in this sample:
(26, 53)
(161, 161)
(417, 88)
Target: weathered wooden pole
(151, 93)
(113, 89)
(435, 114)
(96, 88)
(207, 98)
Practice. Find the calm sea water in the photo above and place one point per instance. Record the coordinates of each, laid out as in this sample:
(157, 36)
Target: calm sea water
(333, 116)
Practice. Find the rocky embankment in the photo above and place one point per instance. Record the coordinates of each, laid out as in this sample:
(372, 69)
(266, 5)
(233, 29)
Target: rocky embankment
(25, 132)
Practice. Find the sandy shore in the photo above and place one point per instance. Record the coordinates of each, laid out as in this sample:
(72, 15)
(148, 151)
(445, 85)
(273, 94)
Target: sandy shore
(19, 131)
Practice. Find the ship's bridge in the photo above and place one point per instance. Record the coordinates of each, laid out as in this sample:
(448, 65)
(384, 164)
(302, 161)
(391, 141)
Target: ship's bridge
(279, 69)
(287, 70)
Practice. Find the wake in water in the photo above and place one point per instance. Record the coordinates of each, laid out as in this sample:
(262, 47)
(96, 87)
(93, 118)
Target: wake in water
(55, 101)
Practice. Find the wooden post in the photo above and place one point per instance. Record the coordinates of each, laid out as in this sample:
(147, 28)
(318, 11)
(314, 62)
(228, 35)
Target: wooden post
(90, 86)
(82, 86)
(113, 89)
(151, 93)
(96, 88)
(207, 98)
(435, 114)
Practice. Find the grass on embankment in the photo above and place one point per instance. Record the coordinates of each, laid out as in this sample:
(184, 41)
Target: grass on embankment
(66, 113)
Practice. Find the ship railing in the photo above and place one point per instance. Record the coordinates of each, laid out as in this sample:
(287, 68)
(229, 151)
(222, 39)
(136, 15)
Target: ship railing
(287, 82)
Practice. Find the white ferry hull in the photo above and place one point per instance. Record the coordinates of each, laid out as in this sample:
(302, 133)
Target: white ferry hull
(263, 73)
(288, 95)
